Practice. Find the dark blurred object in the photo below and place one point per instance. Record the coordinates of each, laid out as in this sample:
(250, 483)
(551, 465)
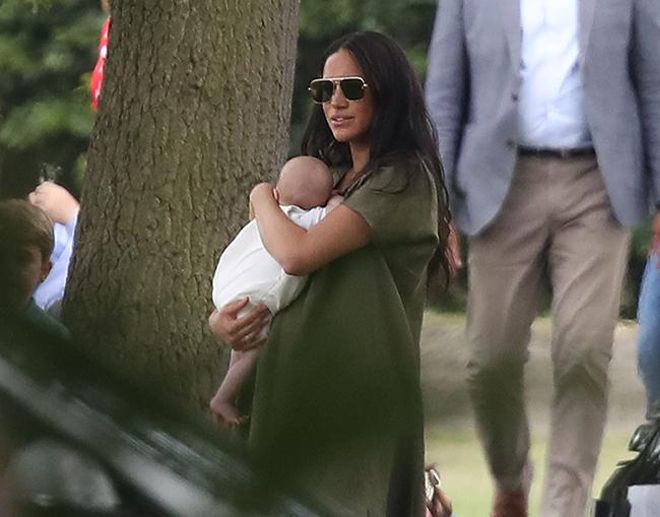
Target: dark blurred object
(48, 475)
(641, 473)
(76, 442)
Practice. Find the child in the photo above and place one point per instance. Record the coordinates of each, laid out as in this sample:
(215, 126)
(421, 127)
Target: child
(26, 242)
(63, 209)
(247, 270)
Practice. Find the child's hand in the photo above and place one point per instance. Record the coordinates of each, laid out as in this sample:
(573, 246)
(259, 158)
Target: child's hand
(56, 201)
(334, 201)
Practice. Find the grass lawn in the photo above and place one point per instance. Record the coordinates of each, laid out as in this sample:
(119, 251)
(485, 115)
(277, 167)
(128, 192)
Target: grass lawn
(457, 454)
(451, 441)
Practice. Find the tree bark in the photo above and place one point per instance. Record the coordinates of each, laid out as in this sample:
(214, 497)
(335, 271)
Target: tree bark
(195, 110)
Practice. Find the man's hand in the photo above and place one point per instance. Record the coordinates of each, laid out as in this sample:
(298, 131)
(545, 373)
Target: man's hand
(56, 201)
(454, 248)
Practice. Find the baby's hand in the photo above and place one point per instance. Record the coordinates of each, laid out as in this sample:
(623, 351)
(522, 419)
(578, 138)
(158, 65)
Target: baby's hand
(334, 201)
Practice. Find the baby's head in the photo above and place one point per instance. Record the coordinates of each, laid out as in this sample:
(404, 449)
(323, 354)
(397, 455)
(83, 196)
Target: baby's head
(305, 182)
(26, 242)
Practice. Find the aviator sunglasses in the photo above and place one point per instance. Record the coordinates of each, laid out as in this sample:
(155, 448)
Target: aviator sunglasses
(322, 89)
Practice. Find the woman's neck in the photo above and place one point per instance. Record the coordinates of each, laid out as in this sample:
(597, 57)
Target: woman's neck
(359, 156)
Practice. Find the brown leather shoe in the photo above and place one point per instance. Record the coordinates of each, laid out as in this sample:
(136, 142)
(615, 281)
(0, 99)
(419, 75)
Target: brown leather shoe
(510, 504)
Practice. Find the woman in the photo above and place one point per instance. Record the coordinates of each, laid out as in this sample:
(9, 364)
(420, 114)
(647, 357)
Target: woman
(337, 403)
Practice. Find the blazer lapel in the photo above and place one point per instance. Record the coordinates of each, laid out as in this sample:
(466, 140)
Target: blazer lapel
(585, 21)
(510, 14)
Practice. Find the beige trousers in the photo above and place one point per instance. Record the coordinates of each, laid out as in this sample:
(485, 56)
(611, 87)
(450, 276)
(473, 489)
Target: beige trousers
(557, 216)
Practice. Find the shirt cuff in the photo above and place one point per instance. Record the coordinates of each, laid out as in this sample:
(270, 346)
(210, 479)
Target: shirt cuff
(71, 224)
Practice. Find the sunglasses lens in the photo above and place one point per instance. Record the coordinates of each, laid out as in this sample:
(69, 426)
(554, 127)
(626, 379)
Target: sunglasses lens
(353, 88)
(321, 90)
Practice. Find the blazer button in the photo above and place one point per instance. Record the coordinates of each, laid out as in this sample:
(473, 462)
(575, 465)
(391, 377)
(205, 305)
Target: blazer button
(514, 97)
(511, 144)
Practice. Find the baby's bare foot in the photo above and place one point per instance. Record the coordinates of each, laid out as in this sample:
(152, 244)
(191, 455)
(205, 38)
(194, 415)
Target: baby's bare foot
(225, 413)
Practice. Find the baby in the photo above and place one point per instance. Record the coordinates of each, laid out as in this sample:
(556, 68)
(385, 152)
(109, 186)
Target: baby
(246, 269)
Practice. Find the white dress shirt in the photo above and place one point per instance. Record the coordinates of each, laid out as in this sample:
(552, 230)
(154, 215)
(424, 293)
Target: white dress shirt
(247, 269)
(551, 111)
(50, 292)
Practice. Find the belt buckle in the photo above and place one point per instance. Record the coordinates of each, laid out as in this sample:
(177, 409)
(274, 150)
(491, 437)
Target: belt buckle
(564, 153)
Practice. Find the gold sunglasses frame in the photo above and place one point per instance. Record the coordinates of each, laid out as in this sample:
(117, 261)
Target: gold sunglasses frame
(336, 82)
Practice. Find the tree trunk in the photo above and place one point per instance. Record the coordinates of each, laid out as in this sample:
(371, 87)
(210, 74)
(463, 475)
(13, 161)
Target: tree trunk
(195, 111)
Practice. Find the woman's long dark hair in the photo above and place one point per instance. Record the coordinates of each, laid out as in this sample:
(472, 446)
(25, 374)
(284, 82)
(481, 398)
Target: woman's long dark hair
(401, 126)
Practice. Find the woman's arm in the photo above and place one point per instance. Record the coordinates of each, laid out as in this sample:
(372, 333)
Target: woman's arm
(301, 251)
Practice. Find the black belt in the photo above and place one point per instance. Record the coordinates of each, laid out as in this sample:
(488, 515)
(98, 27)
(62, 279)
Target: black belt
(562, 153)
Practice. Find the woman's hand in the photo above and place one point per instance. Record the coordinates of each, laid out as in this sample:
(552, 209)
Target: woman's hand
(239, 333)
(437, 502)
(262, 192)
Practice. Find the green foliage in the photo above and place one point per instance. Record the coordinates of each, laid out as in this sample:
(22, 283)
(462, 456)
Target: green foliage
(47, 49)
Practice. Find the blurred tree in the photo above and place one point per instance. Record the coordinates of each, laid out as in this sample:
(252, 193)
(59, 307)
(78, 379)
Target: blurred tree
(195, 110)
(46, 51)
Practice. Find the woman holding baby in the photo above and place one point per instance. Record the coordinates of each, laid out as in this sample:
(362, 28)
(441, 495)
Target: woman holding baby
(337, 405)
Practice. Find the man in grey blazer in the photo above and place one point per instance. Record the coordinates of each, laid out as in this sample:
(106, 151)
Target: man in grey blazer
(548, 116)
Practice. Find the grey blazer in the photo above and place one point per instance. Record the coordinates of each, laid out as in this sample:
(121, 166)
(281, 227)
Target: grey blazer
(472, 91)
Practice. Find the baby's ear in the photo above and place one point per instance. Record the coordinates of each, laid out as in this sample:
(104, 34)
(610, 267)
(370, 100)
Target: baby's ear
(276, 194)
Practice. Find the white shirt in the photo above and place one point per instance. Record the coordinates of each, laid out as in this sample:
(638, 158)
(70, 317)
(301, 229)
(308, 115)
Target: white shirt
(247, 269)
(50, 292)
(551, 105)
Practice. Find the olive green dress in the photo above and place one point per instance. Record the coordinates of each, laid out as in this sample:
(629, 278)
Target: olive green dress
(337, 405)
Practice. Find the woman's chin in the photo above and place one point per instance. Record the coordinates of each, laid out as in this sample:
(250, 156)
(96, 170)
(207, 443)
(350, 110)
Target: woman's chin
(341, 137)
